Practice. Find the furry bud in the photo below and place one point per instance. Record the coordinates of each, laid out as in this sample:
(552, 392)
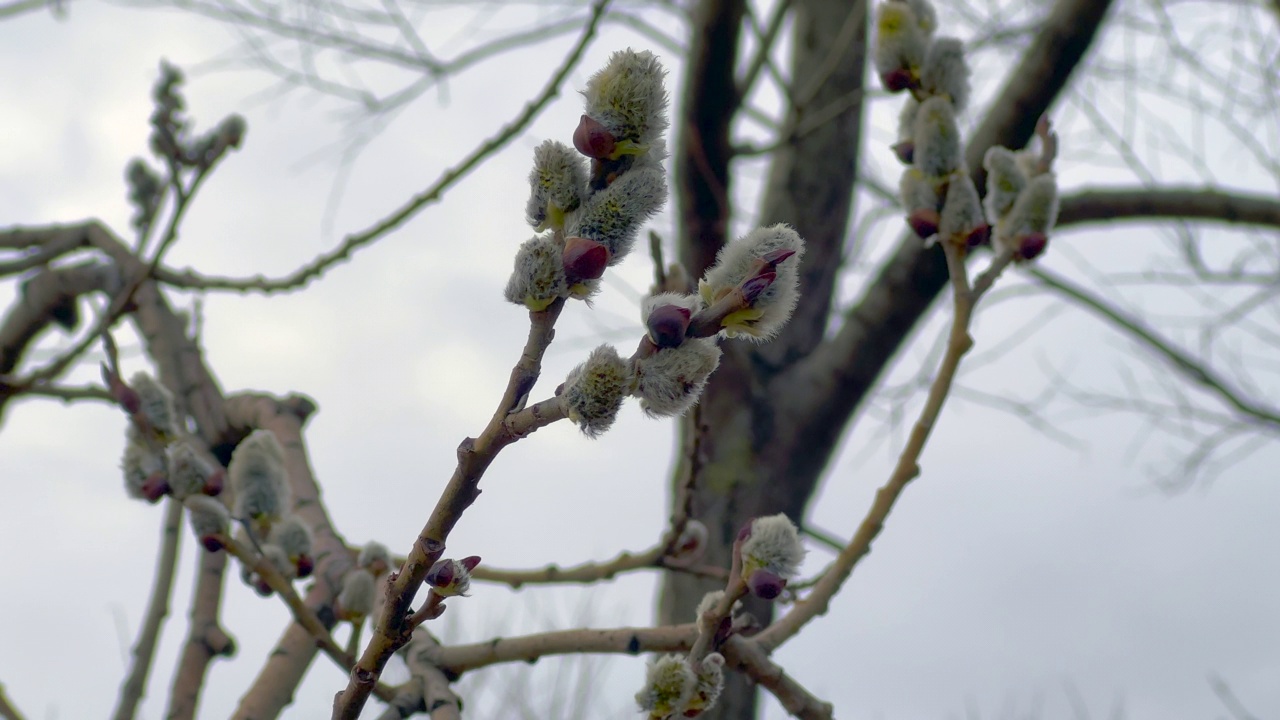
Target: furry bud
(669, 685)
(962, 220)
(705, 606)
(557, 184)
(1005, 179)
(627, 97)
(666, 316)
(375, 557)
(690, 546)
(671, 380)
(592, 139)
(772, 544)
(259, 480)
(770, 300)
(905, 148)
(593, 391)
(294, 538)
(356, 599)
(937, 139)
(449, 578)
(900, 45)
(583, 260)
(538, 278)
(945, 72)
(613, 216)
(1033, 214)
(144, 468)
(188, 472)
(209, 519)
(922, 202)
(156, 403)
(765, 585)
(710, 683)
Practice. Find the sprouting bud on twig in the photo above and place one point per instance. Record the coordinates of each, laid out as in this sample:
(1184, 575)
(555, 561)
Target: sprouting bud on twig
(375, 557)
(1005, 179)
(613, 216)
(557, 184)
(710, 682)
(771, 554)
(1024, 230)
(921, 200)
(765, 266)
(937, 139)
(900, 45)
(157, 404)
(669, 684)
(905, 147)
(294, 538)
(627, 97)
(260, 481)
(671, 380)
(189, 474)
(583, 260)
(706, 605)
(356, 600)
(962, 220)
(145, 469)
(690, 546)
(209, 520)
(666, 316)
(538, 278)
(449, 578)
(945, 72)
(594, 391)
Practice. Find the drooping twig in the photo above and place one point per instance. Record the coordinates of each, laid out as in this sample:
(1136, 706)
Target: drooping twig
(908, 467)
(7, 710)
(135, 684)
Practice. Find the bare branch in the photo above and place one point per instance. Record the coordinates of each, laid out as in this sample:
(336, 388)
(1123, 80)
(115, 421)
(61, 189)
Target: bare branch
(1171, 203)
(135, 685)
(7, 710)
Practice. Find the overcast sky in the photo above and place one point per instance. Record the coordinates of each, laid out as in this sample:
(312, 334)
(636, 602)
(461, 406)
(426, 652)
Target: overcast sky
(1016, 574)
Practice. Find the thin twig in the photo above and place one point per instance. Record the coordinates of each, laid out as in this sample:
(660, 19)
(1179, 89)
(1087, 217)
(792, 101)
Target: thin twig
(7, 710)
(135, 685)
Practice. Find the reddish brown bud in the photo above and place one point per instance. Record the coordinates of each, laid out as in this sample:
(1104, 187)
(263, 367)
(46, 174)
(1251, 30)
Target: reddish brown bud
(305, 566)
(752, 287)
(155, 487)
(215, 482)
(765, 585)
(261, 587)
(906, 151)
(745, 532)
(211, 543)
(924, 222)
(470, 562)
(667, 325)
(584, 259)
(1030, 246)
(979, 236)
(592, 139)
(777, 256)
(896, 80)
(440, 574)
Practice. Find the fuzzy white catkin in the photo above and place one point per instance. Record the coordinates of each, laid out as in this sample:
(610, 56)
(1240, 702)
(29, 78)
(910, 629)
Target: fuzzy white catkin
(187, 470)
(1005, 179)
(962, 210)
(627, 97)
(907, 120)
(669, 684)
(156, 403)
(937, 139)
(926, 16)
(557, 185)
(259, 479)
(357, 595)
(292, 536)
(773, 307)
(705, 605)
(1035, 211)
(692, 303)
(901, 44)
(945, 72)
(538, 278)
(774, 546)
(594, 390)
(372, 553)
(710, 682)
(671, 380)
(917, 191)
(279, 559)
(614, 215)
(139, 463)
(208, 515)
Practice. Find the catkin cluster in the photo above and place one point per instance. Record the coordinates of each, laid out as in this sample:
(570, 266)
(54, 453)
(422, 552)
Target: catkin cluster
(264, 502)
(674, 687)
(936, 188)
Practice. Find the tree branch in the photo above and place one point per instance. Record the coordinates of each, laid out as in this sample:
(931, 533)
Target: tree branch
(1171, 203)
(135, 684)
(7, 710)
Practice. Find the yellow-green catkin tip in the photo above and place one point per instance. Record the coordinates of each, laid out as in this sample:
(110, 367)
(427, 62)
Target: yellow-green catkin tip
(627, 96)
(594, 391)
(538, 277)
(669, 685)
(557, 185)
